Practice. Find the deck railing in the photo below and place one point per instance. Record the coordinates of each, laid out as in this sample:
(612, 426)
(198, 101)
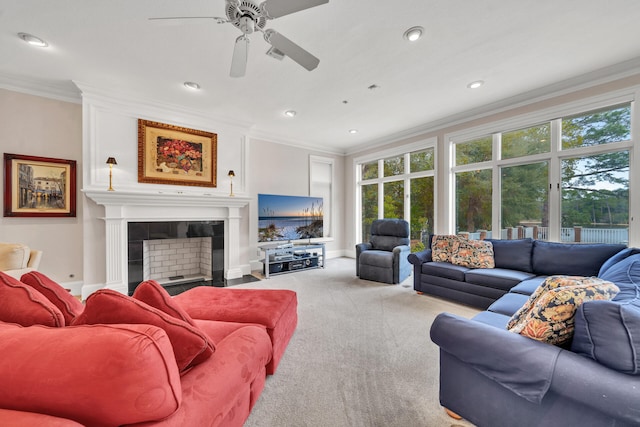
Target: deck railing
(568, 234)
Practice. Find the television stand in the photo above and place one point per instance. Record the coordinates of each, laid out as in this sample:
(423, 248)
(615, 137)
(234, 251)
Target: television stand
(280, 259)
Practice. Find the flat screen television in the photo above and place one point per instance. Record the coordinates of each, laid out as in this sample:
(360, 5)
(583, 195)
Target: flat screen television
(289, 217)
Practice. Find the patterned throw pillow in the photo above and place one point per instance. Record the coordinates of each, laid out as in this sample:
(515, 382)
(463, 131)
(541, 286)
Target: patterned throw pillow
(551, 318)
(474, 254)
(551, 282)
(443, 246)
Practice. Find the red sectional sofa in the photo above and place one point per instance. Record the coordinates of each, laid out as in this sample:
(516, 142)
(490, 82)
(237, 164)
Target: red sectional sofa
(140, 360)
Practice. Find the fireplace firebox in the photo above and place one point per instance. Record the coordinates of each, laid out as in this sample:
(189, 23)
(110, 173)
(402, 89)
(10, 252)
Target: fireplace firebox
(139, 234)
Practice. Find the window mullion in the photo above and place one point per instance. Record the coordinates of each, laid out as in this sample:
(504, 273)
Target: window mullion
(555, 182)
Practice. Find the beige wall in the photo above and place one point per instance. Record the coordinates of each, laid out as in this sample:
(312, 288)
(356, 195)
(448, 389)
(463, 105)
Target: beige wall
(36, 126)
(282, 169)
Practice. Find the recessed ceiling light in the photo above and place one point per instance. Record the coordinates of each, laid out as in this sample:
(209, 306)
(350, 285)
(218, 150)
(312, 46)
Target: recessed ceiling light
(192, 85)
(475, 85)
(290, 113)
(33, 40)
(353, 131)
(413, 33)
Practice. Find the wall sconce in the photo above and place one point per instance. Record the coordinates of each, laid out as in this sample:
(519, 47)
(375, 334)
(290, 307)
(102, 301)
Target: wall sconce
(231, 174)
(111, 161)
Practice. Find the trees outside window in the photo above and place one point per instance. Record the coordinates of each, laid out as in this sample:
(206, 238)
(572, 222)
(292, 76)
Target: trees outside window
(582, 170)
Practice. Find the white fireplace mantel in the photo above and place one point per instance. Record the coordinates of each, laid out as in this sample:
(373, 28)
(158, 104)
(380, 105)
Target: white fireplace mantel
(122, 207)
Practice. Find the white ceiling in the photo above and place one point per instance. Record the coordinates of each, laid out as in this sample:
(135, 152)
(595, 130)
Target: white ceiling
(515, 46)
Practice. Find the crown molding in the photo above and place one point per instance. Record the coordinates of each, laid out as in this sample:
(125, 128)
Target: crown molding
(59, 90)
(584, 81)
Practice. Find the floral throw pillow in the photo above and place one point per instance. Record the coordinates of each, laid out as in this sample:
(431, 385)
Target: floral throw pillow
(551, 282)
(444, 246)
(474, 254)
(551, 318)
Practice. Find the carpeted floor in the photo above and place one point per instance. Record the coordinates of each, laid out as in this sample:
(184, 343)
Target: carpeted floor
(360, 357)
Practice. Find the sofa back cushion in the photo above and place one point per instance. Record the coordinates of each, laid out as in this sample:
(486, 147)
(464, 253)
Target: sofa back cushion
(626, 275)
(14, 256)
(98, 375)
(513, 254)
(573, 259)
(609, 333)
(190, 345)
(68, 305)
(21, 304)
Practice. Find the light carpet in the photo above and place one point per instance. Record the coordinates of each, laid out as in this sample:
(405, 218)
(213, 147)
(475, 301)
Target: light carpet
(361, 355)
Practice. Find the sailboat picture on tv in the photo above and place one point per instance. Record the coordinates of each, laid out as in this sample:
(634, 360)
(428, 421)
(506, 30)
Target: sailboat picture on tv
(289, 217)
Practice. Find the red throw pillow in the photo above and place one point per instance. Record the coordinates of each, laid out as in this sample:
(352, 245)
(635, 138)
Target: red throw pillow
(152, 293)
(69, 305)
(21, 304)
(190, 345)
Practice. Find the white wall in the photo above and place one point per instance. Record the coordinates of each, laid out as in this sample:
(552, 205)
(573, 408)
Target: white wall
(36, 126)
(283, 169)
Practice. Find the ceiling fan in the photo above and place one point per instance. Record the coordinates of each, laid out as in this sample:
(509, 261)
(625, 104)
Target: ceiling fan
(250, 16)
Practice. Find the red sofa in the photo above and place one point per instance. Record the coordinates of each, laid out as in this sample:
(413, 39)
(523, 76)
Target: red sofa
(140, 360)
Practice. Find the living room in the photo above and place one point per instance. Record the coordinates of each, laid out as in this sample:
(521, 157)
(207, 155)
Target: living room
(89, 121)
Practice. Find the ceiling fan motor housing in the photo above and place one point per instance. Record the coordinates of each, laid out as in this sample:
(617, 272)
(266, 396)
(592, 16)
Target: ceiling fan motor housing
(246, 15)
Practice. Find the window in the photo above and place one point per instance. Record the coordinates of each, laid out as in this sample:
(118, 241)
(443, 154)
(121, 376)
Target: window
(399, 186)
(571, 185)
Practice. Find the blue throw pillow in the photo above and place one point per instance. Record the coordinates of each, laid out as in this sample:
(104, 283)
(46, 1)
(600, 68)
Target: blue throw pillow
(626, 275)
(609, 333)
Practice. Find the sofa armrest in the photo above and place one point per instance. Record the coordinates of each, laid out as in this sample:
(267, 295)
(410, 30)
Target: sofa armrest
(522, 365)
(34, 259)
(419, 258)
(594, 385)
(361, 247)
(97, 375)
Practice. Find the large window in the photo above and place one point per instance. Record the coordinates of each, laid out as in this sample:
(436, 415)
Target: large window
(399, 186)
(565, 179)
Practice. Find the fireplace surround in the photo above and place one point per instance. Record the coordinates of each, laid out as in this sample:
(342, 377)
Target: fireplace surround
(125, 207)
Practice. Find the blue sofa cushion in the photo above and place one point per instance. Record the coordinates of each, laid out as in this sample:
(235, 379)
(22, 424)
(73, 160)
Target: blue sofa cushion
(529, 286)
(445, 269)
(377, 258)
(513, 254)
(609, 333)
(572, 259)
(509, 304)
(625, 274)
(498, 278)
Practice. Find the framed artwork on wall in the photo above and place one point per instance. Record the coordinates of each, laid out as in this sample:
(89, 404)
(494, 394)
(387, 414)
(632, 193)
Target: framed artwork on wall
(39, 186)
(169, 154)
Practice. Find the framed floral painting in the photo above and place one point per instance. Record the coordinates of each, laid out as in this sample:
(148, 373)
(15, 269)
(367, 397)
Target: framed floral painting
(169, 154)
(39, 186)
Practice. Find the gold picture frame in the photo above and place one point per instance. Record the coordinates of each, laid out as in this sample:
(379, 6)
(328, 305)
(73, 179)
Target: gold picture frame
(175, 155)
(39, 186)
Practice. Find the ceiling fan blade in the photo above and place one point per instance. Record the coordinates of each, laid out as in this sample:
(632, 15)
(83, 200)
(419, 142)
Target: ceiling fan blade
(278, 8)
(179, 20)
(239, 60)
(291, 49)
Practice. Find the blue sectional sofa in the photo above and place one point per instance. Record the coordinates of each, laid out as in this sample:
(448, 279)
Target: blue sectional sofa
(524, 263)
(496, 378)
